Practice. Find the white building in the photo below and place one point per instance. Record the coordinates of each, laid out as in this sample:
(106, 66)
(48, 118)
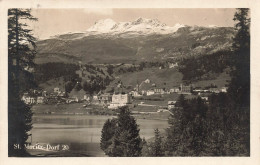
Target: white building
(147, 81)
(44, 93)
(87, 97)
(56, 90)
(171, 65)
(159, 91)
(119, 100)
(135, 94)
(206, 98)
(40, 100)
(224, 89)
(171, 104)
(174, 90)
(150, 92)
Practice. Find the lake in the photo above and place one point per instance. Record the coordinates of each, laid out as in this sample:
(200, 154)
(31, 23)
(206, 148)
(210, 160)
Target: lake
(81, 133)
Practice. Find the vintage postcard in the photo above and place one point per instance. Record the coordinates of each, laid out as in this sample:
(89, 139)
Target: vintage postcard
(131, 81)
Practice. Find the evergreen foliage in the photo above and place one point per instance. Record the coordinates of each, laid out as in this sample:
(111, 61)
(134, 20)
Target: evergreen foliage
(221, 127)
(21, 52)
(206, 66)
(154, 148)
(120, 137)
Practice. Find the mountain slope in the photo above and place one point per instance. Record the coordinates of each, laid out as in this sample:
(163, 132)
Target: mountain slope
(140, 40)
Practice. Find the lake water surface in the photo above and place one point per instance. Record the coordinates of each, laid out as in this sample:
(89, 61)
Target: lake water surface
(81, 133)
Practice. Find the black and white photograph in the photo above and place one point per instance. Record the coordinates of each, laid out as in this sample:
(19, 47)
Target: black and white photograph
(129, 82)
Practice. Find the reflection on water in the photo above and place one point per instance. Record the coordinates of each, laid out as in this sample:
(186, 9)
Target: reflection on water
(82, 133)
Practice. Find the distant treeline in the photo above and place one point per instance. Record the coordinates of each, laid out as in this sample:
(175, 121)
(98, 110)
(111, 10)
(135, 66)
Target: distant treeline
(48, 71)
(202, 67)
(97, 80)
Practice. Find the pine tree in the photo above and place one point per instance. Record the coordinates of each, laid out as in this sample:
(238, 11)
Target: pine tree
(239, 87)
(157, 145)
(174, 138)
(126, 140)
(21, 52)
(107, 135)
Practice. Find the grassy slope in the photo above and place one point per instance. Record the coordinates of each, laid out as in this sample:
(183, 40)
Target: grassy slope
(51, 84)
(169, 76)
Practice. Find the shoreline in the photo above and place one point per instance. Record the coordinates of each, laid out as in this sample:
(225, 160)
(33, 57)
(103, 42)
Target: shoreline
(77, 109)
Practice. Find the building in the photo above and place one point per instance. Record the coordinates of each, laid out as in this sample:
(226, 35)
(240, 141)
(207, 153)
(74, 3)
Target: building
(87, 97)
(224, 89)
(29, 100)
(61, 94)
(119, 100)
(214, 90)
(175, 90)
(159, 91)
(172, 65)
(135, 94)
(205, 96)
(56, 90)
(72, 100)
(198, 90)
(105, 99)
(44, 93)
(185, 89)
(150, 92)
(77, 95)
(40, 100)
(171, 104)
(147, 81)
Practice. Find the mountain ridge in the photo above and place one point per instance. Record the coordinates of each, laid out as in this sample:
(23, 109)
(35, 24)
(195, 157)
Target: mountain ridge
(128, 46)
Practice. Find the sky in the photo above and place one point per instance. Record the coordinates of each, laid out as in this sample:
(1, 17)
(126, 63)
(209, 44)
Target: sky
(59, 21)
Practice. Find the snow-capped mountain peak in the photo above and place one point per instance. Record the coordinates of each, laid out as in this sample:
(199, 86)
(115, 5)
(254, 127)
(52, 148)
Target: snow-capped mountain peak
(140, 25)
(102, 25)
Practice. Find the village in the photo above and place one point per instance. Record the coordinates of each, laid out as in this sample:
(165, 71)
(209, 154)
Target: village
(137, 97)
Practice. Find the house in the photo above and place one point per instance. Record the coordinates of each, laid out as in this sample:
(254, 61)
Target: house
(143, 92)
(86, 97)
(56, 90)
(119, 100)
(214, 90)
(71, 100)
(147, 81)
(174, 90)
(205, 96)
(77, 95)
(150, 92)
(224, 89)
(171, 104)
(171, 65)
(44, 93)
(61, 94)
(159, 91)
(40, 100)
(198, 90)
(135, 94)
